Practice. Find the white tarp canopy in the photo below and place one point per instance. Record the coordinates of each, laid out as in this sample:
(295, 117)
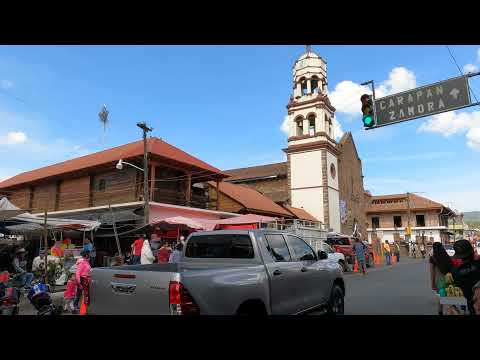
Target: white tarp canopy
(8, 210)
(56, 223)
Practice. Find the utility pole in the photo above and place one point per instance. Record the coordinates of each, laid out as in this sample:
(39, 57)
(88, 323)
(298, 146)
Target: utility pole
(146, 197)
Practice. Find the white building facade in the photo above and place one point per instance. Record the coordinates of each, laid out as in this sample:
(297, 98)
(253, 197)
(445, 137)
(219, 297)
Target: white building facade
(312, 153)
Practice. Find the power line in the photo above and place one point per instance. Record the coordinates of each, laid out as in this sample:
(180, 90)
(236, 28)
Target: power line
(461, 72)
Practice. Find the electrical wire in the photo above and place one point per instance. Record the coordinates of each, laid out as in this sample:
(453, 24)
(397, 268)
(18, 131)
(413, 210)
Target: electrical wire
(460, 71)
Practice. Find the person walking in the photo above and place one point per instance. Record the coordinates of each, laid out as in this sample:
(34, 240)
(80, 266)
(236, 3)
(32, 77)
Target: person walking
(388, 257)
(467, 275)
(70, 293)
(88, 246)
(137, 250)
(146, 255)
(440, 265)
(82, 278)
(397, 251)
(422, 250)
(176, 255)
(359, 250)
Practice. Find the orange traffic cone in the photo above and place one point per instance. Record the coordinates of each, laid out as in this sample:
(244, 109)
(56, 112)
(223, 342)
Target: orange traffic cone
(355, 267)
(394, 259)
(83, 308)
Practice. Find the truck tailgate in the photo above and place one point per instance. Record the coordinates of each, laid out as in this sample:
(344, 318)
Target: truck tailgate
(132, 290)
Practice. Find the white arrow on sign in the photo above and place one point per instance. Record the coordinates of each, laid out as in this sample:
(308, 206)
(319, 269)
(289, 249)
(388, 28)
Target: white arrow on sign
(454, 93)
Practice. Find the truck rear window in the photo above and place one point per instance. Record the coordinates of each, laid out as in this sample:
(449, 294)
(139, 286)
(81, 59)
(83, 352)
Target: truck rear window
(220, 246)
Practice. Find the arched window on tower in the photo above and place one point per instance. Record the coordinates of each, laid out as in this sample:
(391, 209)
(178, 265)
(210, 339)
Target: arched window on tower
(314, 84)
(299, 126)
(311, 125)
(303, 86)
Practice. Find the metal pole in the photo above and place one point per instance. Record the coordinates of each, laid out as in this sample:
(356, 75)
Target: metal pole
(145, 178)
(45, 238)
(374, 108)
(115, 231)
(146, 196)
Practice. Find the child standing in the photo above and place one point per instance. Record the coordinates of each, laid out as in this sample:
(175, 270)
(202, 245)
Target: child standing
(69, 294)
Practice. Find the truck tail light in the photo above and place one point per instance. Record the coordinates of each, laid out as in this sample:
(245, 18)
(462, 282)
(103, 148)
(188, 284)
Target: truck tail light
(181, 302)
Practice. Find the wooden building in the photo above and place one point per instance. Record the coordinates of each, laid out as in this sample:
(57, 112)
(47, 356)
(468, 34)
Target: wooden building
(175, 177)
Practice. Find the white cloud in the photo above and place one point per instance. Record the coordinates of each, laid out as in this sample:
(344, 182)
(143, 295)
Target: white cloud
(285, 127)
(399, 79)
(470, 68)
(346, 95)
(473, 138)
(6, 84)
(15, 137)
(337, 129)
(452, 123)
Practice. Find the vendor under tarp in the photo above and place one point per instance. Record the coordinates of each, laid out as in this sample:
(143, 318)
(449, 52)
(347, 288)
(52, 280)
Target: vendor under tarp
(28, 221)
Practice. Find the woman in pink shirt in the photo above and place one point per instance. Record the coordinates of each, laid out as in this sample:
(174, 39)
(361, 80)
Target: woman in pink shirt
(82, 277)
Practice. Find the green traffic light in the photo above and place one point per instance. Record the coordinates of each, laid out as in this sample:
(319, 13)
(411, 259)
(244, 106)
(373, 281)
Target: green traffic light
(368, 120)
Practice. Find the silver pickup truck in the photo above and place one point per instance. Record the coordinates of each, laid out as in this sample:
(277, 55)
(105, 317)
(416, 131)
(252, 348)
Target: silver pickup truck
(228, 272)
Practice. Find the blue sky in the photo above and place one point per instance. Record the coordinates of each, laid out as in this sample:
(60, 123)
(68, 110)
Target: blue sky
(226, 105)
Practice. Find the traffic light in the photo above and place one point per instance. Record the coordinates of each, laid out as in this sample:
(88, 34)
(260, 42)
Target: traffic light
(367, 110)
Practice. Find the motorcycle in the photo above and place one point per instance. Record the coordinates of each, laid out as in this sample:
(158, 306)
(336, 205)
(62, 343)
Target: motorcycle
(41, 299)
(9, 294)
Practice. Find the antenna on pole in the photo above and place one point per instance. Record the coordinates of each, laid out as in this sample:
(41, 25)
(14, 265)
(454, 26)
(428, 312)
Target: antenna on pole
(308, 48)
(103, 116)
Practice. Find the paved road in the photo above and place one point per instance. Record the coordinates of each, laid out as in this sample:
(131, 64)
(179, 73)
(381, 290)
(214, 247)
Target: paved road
(400, 289)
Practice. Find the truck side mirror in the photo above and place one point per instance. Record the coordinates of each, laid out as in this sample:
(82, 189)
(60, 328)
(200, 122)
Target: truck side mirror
(322, 255)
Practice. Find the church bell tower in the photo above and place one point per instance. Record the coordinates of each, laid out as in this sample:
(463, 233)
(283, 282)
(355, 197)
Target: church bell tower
(312, 151)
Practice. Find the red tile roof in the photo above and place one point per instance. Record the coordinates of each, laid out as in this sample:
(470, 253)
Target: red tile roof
(400, 202)
(262, 171)
(251, 199)
(157, 147)
(301, 213)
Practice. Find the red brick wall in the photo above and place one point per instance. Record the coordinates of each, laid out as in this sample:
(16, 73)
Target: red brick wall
(351, 188)
(44, 197)
(119, 187)
(74, 193)
(20, 198)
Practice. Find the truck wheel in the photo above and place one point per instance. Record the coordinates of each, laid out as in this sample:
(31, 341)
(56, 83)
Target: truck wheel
(343, 265)
(336, 304)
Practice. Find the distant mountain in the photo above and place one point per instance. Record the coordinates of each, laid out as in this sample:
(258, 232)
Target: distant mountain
(471, 216)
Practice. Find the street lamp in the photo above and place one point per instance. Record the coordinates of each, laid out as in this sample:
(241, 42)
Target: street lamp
(120, 164)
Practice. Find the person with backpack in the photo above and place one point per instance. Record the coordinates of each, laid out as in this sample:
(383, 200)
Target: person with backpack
(467, 275)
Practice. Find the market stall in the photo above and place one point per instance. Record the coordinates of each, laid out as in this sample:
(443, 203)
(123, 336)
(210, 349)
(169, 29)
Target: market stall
(63, 254)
